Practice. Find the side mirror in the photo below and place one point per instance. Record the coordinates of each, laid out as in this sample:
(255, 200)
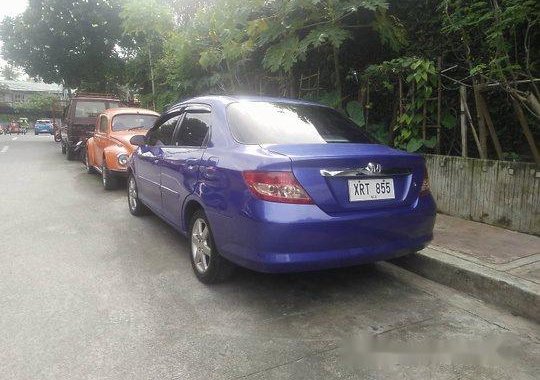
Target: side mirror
(138, 140)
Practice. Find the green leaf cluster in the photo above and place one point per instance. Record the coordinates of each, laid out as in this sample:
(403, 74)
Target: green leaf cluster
(418, 77)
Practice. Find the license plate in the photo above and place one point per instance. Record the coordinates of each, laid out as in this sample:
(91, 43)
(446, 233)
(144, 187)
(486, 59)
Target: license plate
(371, 189)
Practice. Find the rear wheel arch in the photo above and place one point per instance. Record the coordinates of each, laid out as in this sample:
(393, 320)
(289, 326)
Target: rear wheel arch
(189, 210)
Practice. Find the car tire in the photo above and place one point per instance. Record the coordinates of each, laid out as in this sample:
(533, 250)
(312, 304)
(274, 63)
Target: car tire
(35, 133)
(89, 168)
(70, 154)
(63, 148)
(136, 207)
(109, 180)
(209, 266)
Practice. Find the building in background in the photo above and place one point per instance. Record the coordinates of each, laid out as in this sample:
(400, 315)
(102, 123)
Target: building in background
(30, 99)
(13, 92)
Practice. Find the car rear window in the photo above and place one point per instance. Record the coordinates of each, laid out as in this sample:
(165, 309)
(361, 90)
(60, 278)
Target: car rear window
(286, 123)
(134, 121)
(93, 108)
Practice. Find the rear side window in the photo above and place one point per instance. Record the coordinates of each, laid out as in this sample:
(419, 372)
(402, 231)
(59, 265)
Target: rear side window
(163, 134)
(103, 124)
(92, 108)
(89, 109)
(285, 123)
(193, 130)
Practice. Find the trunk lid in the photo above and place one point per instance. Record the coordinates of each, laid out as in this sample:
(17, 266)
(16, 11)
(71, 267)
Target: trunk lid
(328, 171)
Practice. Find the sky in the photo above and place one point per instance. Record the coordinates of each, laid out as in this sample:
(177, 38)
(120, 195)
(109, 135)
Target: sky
(11, 8)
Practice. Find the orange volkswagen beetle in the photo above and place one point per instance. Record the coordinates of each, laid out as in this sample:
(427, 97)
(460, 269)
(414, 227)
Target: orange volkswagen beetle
(108, 150)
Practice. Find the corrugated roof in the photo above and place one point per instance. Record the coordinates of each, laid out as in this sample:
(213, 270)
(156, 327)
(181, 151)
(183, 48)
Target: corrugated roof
(17, 85)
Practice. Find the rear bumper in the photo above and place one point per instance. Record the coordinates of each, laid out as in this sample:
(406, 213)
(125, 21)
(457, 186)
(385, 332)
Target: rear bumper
(276, 237)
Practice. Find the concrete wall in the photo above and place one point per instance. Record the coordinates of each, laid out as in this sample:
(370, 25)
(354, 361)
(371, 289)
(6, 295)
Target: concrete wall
(501, 193)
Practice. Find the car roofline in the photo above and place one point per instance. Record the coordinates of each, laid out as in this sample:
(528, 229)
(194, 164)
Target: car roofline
(226, 100)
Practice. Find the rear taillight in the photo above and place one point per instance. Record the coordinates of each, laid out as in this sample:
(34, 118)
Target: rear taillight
(276, 187)
(425, 183)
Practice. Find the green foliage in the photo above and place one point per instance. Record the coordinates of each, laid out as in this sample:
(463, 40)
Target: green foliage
(190, 47)
(356, 112)
(493, 30)
(149, 19)
(10, 73)
(66, 41)
(391, 31)
(291, 28)
(37, 103)
(379, 132)
(419, 77)
(284, 54)
(330, 99)
(448, 120)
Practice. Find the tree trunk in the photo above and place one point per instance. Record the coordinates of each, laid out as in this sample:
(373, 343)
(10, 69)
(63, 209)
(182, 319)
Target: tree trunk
(395, 114)
(482, 132)
(473, 130)
(292, 85)
(439, 105)
(152, 78)
(337, 72)
(526, 131)
(463, 119)
(485, 113)
(534, 105)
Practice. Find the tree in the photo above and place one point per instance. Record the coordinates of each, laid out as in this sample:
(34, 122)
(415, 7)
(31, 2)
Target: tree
(149, 23)
(66, 41)
(496, 38)
(10, 73)
(37, 103)
(295, 27)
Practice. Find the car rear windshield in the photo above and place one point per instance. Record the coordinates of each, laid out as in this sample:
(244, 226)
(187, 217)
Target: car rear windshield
(134, 121)
(286, 123)
(86, 109)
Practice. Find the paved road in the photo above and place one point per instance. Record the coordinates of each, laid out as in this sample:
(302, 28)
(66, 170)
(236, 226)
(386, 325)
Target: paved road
(88, 291)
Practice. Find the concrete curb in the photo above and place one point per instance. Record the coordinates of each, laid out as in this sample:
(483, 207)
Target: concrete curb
(520, 296)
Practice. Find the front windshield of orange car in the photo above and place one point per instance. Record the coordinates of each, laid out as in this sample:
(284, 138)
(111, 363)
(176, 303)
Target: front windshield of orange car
(135, 121)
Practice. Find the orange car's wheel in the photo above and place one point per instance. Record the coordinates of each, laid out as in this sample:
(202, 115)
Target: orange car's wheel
(89, 168)
(110, 181)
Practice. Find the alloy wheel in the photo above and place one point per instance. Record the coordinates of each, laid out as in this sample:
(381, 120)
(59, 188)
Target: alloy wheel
(200, 245)
(104, 176)
(132, 194)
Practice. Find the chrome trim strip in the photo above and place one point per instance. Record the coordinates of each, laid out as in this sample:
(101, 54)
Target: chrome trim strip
(148, 180)
(362, 172)
(170, 190)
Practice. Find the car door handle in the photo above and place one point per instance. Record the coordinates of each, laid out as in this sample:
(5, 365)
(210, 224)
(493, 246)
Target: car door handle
(209, 171)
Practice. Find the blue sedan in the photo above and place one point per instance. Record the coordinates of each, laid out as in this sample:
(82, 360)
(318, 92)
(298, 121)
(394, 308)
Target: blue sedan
(278, 185)
(43, 126)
